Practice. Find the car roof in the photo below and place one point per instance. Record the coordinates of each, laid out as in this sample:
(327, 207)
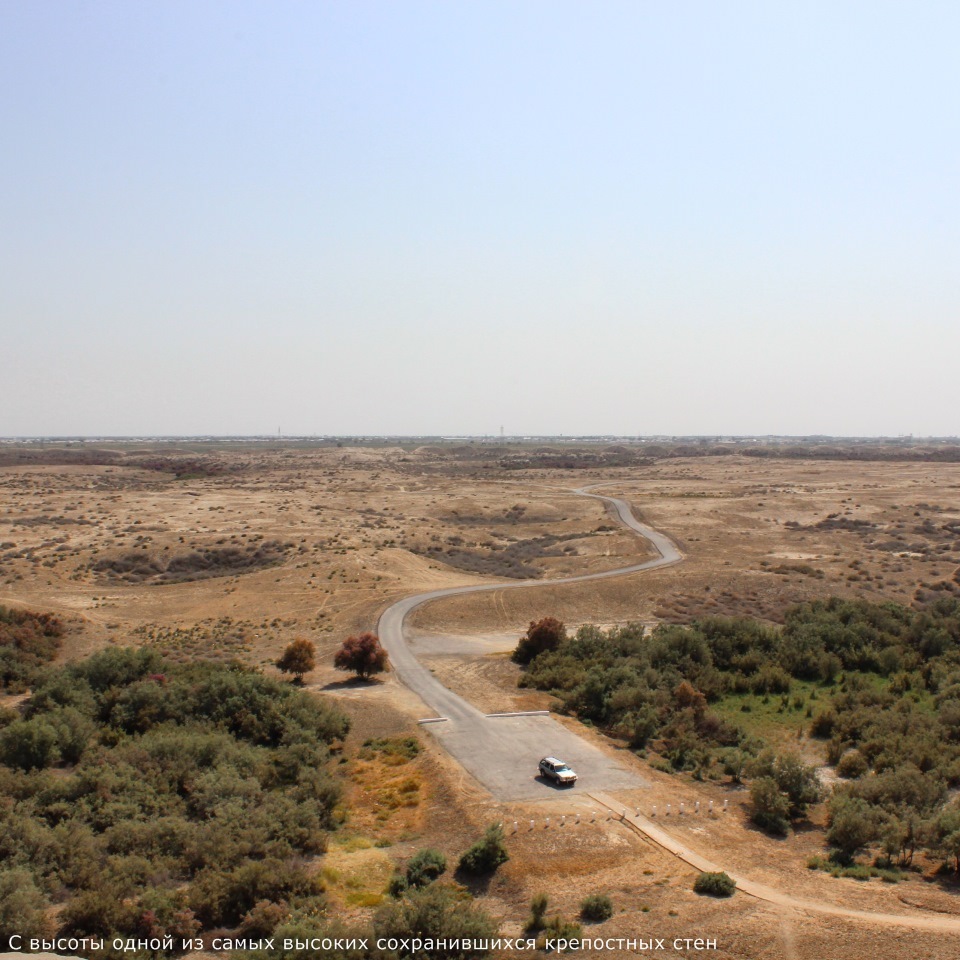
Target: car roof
(553, 760)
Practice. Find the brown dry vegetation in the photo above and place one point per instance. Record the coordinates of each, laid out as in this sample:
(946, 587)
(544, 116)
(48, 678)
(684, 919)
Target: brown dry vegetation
(344, 531)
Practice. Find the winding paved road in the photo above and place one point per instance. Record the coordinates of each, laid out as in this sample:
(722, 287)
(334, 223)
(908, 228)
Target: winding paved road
(502, 752)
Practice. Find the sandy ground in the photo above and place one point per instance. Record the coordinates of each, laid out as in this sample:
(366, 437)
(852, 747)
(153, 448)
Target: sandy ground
(355, 528)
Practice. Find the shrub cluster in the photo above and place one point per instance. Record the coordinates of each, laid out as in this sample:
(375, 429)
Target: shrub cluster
(138, 566)
(186, 796)
(28, 641)
(781, 791)
(487, 853)
(513, 558)
(596, 908)
(440, 912)
(424, 867)
(881, 684)
(714, 885)
(655, 687)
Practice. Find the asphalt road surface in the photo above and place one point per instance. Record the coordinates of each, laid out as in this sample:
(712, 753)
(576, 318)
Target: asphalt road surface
(502, 753)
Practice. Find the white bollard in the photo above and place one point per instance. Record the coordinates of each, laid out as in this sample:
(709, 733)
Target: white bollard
(696, 807)
(563, 821)
(531, 824)
(593, 815)
(668, 809)
(637, 812)
(710, 808)
(515, 827)
(578, 818)
(546, 825)
(681, 809)
(653, 812)
(725, 806)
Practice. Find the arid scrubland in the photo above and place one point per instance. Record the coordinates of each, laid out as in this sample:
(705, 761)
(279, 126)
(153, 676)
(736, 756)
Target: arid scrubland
(229, 553)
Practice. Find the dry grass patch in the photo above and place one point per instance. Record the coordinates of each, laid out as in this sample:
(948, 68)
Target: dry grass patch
(387, 787)
(221, 639)
(355, 877)
(571, 851)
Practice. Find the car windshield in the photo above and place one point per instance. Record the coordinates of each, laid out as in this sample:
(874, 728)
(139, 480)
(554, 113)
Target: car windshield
(562, 768)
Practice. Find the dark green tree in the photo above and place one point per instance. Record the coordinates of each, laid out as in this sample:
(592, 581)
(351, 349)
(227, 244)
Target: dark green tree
(771, 809)
(853, 824)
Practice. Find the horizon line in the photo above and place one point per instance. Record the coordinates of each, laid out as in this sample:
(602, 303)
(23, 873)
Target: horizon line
(484, 437)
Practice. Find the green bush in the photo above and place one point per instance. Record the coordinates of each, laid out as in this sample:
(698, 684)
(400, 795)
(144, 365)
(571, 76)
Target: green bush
(424, 867)
(487, 853)
(101, 912)
(22, 906)
(852, 765)
(397, 885)
(175, 809)
(117, 667)
(394, 750)
(596, 908)
(823, 724)
(714, 885)
(28, 641)
(771, 809)
(853, 823)
(223, 899)
(164, 913)
(797, 781)
(538, 910)
(557, 928)
(436, 912)
(29, 744)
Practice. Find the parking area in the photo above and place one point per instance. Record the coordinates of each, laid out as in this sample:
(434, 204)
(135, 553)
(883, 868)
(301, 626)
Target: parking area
(502, 753)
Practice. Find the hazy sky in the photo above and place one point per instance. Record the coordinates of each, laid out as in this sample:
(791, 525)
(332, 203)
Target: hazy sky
(444, 217)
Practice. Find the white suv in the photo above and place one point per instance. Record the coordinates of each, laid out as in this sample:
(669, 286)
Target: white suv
(558, 771)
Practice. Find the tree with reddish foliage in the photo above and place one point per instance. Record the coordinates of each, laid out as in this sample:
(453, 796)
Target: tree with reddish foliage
(299, 658)
(361, 655)
(542, 635)
(688, 696)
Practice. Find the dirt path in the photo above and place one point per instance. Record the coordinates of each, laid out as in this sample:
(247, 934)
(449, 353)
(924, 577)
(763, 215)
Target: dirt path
(661, 838)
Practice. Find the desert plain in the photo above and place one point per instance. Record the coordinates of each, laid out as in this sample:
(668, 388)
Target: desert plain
(230, 551)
